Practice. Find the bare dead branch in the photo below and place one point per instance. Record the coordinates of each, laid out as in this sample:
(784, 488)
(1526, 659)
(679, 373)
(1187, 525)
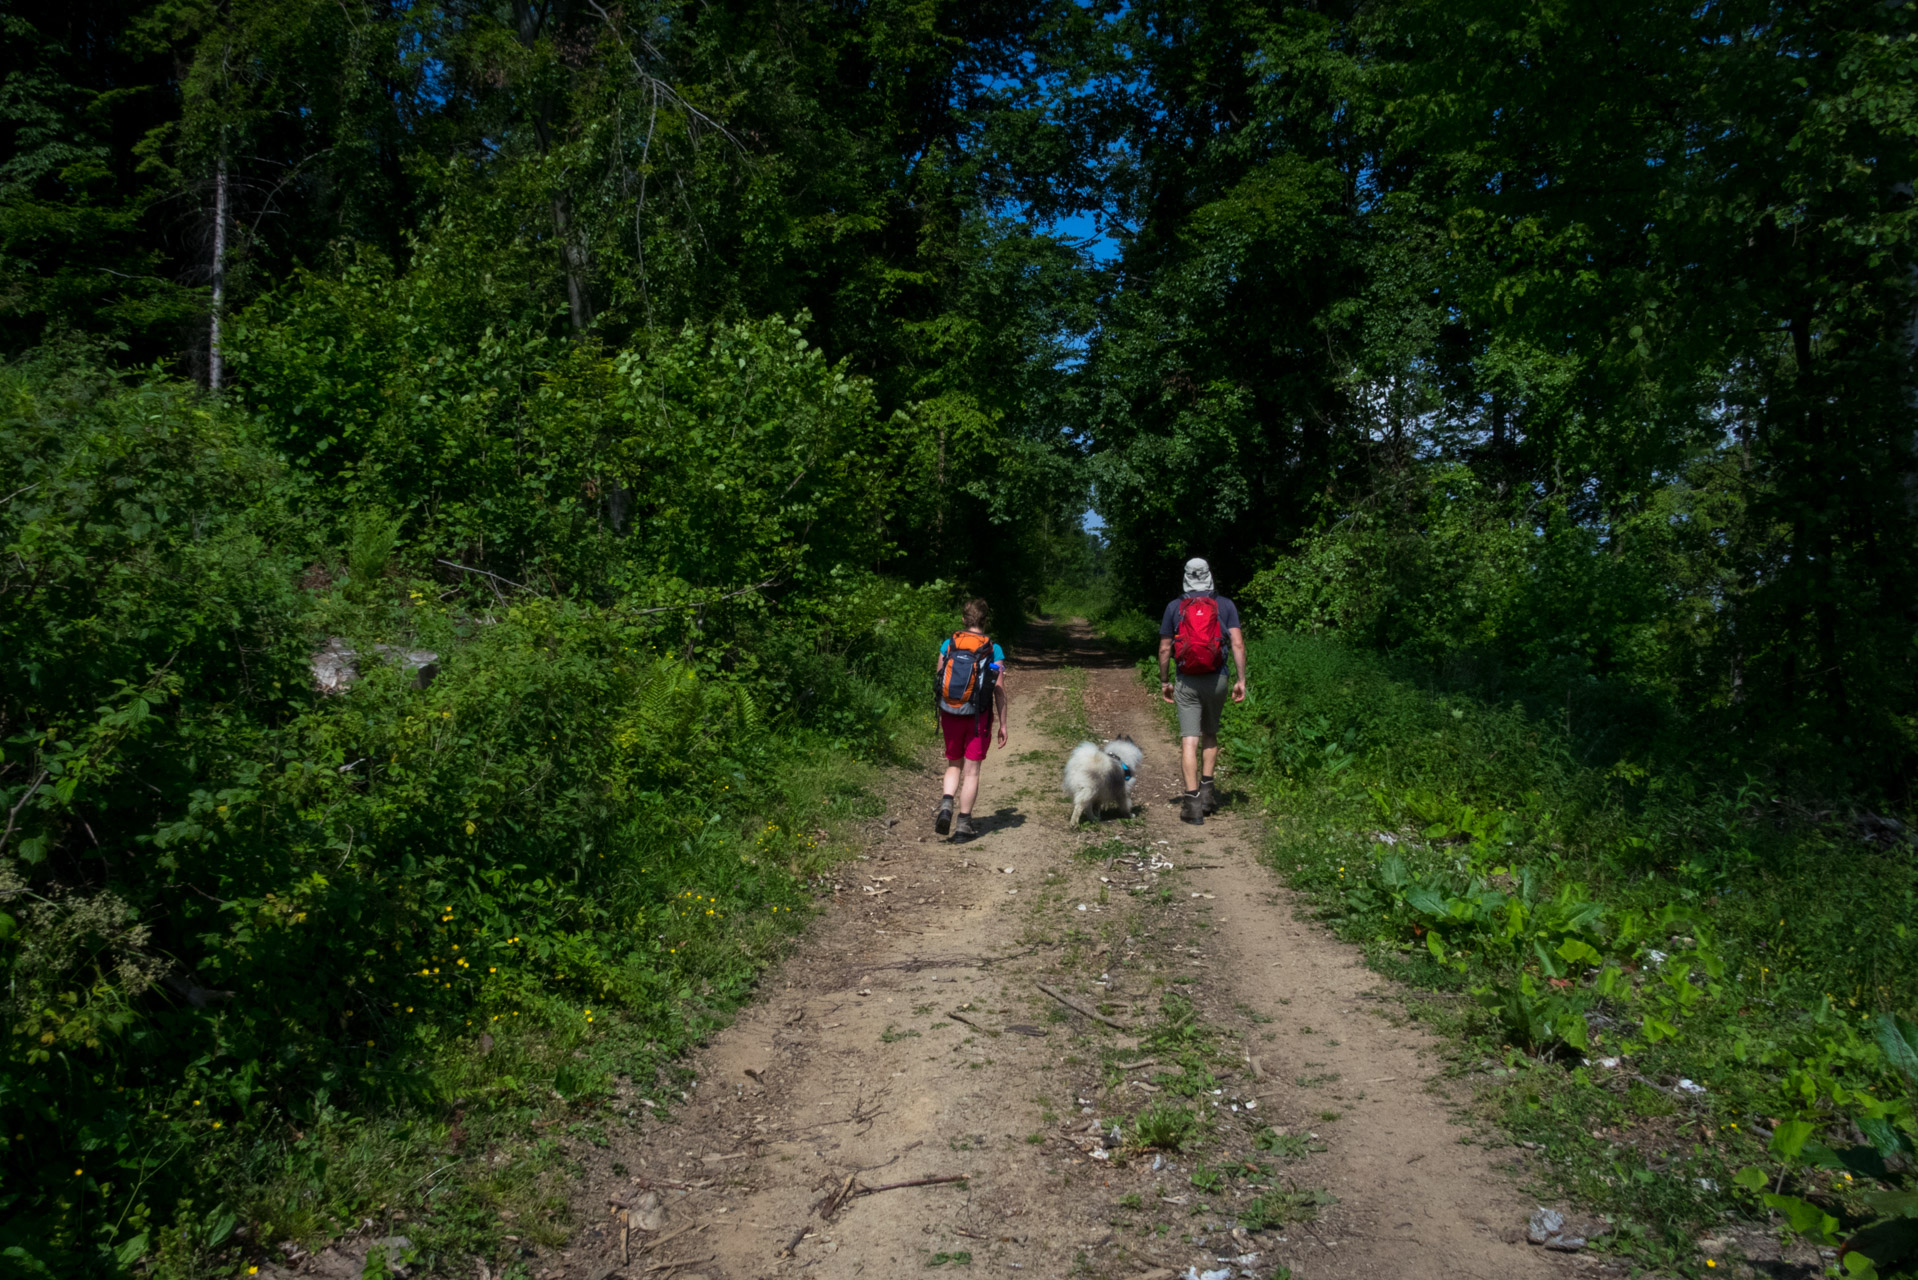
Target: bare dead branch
(1076, 1007)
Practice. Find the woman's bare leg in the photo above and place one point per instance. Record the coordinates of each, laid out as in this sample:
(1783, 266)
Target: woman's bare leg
(968, 786)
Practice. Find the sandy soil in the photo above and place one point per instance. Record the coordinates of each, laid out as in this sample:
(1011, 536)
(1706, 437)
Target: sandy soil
(850, 1074)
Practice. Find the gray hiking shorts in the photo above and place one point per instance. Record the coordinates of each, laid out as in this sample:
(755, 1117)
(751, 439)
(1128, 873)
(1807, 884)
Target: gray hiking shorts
(1200, 699)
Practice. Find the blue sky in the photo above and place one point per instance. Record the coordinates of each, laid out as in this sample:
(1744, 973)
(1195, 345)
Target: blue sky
(1084, 226)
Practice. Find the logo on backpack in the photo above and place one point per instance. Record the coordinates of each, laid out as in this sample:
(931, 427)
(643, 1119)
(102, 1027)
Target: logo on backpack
(964, 683)
(1199, 642)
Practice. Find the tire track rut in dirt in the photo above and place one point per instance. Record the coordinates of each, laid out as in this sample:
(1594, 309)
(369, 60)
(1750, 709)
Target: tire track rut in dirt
(850, 1073)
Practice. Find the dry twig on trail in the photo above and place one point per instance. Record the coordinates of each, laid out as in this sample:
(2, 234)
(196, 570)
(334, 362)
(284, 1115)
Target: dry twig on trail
(826, 1208)
(826, 1124)
(835, 1200)
(960, 1017)
(823, 1208)
(1076, 1007)
(915, 966)
(913, 1182)
(673, 1235)
(793, 1243)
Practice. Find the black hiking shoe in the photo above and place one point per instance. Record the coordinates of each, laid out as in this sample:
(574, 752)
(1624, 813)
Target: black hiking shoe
(1208, 798)
(1191, 810)
(942, 820)
(963, 829)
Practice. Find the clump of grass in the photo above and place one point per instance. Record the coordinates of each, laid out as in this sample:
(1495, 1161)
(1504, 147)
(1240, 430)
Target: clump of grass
(1165, 1127)
(1113, 848)
(1287, 1146)
(1284, 1207)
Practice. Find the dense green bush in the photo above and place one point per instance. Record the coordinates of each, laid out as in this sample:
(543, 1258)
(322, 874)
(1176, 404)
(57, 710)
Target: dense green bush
(1678, 924)
(242, 915)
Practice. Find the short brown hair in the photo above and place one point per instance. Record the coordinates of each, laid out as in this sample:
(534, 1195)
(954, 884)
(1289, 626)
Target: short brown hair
(977, 613)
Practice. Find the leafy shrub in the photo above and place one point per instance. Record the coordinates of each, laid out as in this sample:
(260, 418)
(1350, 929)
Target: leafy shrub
(241, 917)
(1671, 921)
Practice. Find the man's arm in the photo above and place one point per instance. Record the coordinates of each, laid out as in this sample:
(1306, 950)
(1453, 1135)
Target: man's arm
(1238, 663)
(1165, 668)
(999, 705)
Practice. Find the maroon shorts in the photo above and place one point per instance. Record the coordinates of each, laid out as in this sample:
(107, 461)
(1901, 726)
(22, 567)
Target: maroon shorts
(966, 736)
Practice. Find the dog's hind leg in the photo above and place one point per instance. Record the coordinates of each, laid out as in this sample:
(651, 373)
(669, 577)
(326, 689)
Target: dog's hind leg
(1078, 810)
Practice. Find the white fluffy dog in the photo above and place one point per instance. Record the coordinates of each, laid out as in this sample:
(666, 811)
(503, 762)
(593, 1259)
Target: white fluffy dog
(1101, 777)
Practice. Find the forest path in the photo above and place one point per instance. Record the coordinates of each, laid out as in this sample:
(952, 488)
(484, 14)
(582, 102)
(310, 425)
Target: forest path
(849, 1066)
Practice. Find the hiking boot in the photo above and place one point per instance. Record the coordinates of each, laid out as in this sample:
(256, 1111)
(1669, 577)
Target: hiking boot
(1191, 809)
(942, 821)
(1208, 798)
(963, 828)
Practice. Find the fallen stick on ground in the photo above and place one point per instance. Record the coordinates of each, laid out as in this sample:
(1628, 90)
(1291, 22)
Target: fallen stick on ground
(960, 1017)
(835, 1200)
(830, 1205)
(823, 1208)
(1076, 1007)
(673, 1235)
(1140, 1065)
(683, 1262)
(912, 1182)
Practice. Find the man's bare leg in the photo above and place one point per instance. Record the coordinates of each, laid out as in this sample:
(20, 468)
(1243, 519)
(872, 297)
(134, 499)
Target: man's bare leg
(1189, 751)
(969, 787)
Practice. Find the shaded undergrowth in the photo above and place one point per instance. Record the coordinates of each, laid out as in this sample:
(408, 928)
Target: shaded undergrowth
(1689, 994)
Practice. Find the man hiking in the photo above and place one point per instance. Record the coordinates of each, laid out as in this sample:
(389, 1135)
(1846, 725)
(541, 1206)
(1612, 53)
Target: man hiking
(1195, 629)
(970, 692)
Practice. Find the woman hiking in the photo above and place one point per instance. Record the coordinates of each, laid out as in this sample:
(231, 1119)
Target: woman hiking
(970, 692)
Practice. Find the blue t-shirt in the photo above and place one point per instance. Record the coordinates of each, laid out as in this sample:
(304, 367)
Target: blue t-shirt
(1228, 614)
(998, 662)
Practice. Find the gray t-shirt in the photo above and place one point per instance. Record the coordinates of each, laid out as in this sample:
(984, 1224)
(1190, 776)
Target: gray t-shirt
(1228, 614)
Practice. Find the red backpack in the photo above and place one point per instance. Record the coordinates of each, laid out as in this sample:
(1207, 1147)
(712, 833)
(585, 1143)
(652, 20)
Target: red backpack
(1199, 642)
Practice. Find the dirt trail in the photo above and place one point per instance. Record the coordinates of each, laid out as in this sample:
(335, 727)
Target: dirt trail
(850, 1067)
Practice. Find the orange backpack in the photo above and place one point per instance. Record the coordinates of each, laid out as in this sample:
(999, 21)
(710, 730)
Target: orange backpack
(964, 684)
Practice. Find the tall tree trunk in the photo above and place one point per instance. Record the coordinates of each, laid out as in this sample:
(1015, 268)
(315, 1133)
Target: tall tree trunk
(573, 258)
(214, 365)
(1500, 446)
